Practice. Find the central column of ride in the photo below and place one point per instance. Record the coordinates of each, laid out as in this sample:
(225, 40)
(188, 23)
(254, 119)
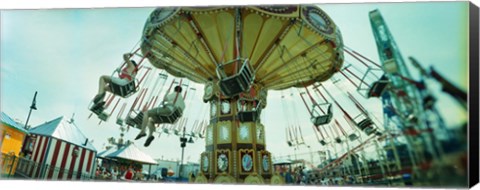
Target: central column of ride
(239, 53)
(235, 148)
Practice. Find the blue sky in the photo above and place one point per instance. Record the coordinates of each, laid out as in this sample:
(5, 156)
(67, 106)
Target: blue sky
(61, 53)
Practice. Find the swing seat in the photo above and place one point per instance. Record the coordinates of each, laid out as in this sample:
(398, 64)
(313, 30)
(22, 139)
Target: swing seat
(366, 125)
(353, 137)
(193, 134)
(290, 144)
(171, 118)
(119, 121)
(123, 90)
(323, 142)
(236, 83)
(367, 122)
(369, 130)
(428, 102)
(378, 87)
(99, 111)
(166, 131)
(103, 116)
(248, 116)
(321, 119)
(98, 108)
(136, 121)
(251, 115)
(338, 140)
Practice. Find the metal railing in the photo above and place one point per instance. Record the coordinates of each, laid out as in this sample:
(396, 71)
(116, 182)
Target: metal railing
(20, 167)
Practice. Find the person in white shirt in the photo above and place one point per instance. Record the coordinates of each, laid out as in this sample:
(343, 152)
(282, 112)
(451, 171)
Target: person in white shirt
(171, 102)
(114, 173)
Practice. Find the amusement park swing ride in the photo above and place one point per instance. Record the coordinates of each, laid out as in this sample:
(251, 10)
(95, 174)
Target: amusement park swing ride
(241, 53)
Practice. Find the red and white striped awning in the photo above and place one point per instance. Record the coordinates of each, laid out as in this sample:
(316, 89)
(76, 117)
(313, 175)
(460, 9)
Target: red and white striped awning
(63, 129)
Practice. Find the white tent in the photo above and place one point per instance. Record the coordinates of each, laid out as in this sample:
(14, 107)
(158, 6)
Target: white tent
(61, 145)
(132, 153)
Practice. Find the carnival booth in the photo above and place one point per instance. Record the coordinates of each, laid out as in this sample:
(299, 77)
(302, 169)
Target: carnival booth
(128, 156)
(12, 135)
(60, 152)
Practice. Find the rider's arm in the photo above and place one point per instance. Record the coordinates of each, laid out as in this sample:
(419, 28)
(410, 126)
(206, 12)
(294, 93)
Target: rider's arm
(127, 57)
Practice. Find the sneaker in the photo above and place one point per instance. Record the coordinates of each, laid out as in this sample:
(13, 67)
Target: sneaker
(98, 98)
(139, 136)
(149, 140)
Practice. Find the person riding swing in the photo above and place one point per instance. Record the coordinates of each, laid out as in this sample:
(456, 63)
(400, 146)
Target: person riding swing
(126, 75)
(171, 103)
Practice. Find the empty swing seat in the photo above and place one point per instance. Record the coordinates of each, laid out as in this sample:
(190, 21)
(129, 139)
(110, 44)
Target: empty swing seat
(119, 121)
(338, 140)
(321, 119)
(378, 87)
(103, 116)
(250, 115)
(99, 111)
(428, 102)
(171, 118)
(236, 83)
(290, 143)
(366, 126)
(123, 90)
(353, 137)
(166, 131)
(136, 121)
(323, 142)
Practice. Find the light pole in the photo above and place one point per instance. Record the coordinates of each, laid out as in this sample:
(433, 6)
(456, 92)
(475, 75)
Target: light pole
(27, 139)
(183, 144)
(32, 107)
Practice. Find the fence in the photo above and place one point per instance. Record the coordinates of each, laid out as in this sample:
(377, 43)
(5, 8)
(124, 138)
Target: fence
(19, 167)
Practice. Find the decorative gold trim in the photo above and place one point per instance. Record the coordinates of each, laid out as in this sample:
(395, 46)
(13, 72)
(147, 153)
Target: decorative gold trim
(254, 179)
(290, 16)
(277, 179)
(200, 178)
(225, 179)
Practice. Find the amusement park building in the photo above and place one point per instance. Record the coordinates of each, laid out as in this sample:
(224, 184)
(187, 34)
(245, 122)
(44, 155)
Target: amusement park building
(12, 135)
(60, 152)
